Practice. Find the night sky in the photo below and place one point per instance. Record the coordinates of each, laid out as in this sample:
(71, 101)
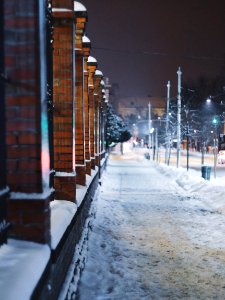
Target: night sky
(140, 44)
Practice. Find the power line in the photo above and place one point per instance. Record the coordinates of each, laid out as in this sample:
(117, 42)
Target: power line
(153, 53)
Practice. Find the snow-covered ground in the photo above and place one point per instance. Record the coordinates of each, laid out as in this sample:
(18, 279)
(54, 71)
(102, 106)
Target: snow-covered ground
(23, 263)
(158, 232)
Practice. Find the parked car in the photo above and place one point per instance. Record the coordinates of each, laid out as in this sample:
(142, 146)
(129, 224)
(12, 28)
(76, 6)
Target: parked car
(221, 157)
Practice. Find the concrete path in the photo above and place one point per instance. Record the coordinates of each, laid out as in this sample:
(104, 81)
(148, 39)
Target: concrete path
(151, 240)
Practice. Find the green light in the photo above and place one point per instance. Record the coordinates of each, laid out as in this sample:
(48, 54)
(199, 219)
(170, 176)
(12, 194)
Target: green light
(215, 120)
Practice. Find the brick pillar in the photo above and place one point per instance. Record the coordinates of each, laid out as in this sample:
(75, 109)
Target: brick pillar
(81, 18)
(97, 98)
(86, 52)
(27, 122)
(107, 88)
(3, 186)
(63, 97)
(102, 121)
(92, 65)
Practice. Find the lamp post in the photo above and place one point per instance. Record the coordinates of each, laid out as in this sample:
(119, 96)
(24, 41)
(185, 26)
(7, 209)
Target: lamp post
(203, 152)
(179, 117)
(156, 145)
(149, 127)
(167, 123)
(215, 152)
(188, 132)
(217, 115)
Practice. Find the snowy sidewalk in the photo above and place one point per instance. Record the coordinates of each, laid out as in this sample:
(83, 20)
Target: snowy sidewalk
(158, 233)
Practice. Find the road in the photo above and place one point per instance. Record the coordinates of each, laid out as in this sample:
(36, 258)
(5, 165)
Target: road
(152, 240)
(195, 162)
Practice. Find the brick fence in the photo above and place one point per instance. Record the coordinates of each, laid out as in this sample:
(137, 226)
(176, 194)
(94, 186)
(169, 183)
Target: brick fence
(52, 119)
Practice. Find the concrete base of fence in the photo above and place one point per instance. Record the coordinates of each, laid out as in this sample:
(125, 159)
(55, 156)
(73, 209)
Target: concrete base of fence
(51, 282)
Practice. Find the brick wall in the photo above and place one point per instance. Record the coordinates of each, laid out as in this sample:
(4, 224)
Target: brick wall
(22, 97)
(63, 4)
(63, 97)
(102, 109)
(91, 70)
(79, 100)
(27, 150)
(30, 219)
(86, 50)
(2, 137)
(2, 106)
(97, 100)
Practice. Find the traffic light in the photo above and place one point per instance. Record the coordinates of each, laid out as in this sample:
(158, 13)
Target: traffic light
(215, 120)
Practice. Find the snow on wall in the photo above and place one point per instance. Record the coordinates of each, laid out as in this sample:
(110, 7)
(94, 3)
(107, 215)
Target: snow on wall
(4, 191)
(79, 259)
(60, 9)
(79, 7)
(21, 266)
(98, 73)
(65, 174)
(23, 263)
(62, 213)
(91, 59)
(85, 39)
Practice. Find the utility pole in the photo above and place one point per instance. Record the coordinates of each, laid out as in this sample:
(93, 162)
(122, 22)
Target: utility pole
(167, 123)
(179, 117)
(215, 152)
(149, 128)
(156, 145)
(188, 132)
(203, 152)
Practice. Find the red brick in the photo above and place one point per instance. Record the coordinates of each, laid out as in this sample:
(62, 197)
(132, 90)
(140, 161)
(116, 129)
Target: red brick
(28, 138)
(63, 142)
(63, 127)
(21, 178)
(63, 120)
(65, 157)
(20, 152)
(10, 60)
(21, 125)
(42, 217)
(24, 74)
(20, 22)
(63, 149)
(30, 112)
(63, 165)
(13, 49)
(29, 164)
(63, 135)
(11, 139)
(20, 100)
(12, 165)
(12, 112)
(30, 233)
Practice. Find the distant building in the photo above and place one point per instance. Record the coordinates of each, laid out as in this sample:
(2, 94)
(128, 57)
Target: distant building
(114, 95)
(138, 106)
(135, 111)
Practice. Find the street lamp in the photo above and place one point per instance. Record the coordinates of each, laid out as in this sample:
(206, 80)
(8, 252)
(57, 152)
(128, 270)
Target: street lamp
(208, 100)
(149, 127)
(167, 123)
(179, 73)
